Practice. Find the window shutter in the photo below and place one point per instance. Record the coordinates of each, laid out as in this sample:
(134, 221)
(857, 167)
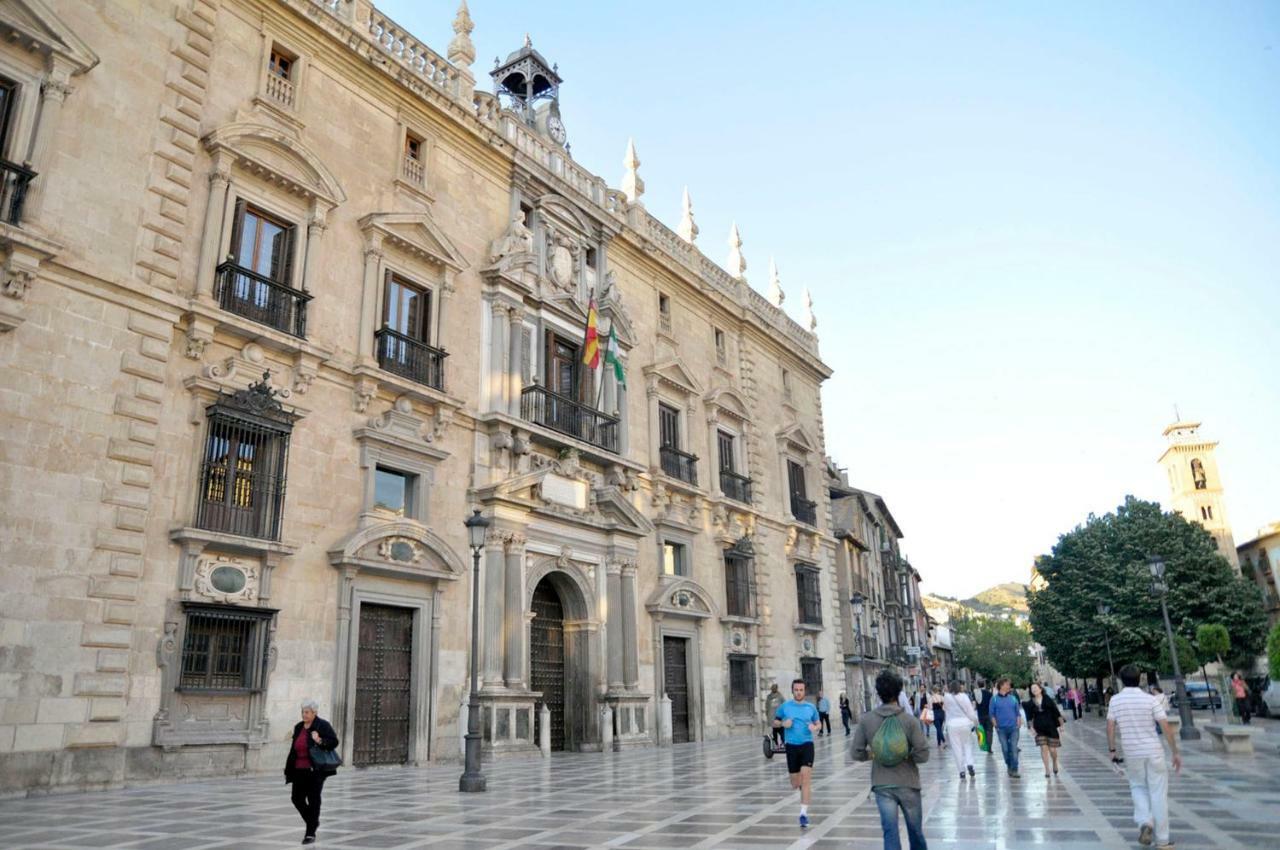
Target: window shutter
(526, 362)
(237, 228)
(282, 263)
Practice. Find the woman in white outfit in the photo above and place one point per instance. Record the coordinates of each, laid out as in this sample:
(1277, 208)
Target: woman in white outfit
(962, 719)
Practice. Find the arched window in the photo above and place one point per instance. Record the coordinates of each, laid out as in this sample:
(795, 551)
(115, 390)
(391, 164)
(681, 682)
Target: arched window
(1197, 474)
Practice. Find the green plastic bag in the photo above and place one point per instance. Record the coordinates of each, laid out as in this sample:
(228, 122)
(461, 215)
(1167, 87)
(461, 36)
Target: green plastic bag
(889, 746)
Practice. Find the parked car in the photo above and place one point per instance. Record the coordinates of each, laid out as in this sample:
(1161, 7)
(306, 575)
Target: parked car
(1264, 696)
(1198, 696)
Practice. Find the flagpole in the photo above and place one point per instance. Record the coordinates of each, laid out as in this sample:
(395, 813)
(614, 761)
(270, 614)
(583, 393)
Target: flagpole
(600, 389)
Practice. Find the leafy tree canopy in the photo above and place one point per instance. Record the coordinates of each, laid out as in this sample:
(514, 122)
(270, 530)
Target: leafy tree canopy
(1273, 652)
(993, 648)
(1104, 561)
(1214, 642)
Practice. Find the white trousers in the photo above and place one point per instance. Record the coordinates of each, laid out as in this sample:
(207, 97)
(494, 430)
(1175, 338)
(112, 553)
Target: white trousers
(1149, 785)
(960, 742)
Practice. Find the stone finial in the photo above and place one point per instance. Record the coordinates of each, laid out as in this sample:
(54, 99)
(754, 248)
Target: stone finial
(632, 185)
(461, 51)
(688, 229)
(776, 295)
(737, 264)
(810, 320)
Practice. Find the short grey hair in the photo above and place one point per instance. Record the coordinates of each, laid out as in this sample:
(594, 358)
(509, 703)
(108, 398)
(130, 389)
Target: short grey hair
(311, 704)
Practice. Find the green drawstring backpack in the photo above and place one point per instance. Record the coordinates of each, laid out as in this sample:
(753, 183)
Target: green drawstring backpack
(889, 746)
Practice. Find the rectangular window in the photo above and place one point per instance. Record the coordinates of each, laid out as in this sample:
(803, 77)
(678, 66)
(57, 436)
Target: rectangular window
(591, 259)
(406, 309)
(257, 281)
(412, 167)
(724, 443)
(281, 68)
(786, 383)
(242, 478)
(281, 63)
(262, 243)
(811, 673)
(808, 594)
(737, 586)
(393, 492)
(719, 336)
(802, 508)
(664, 305)
(224, 648)
(563, 360)
(742, 684)
(668, 427)
(8, 97)
(673, 560)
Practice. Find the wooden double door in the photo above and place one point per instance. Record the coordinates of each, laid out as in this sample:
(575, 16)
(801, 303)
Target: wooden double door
(547, 658)
(384, 678)
(675, 662)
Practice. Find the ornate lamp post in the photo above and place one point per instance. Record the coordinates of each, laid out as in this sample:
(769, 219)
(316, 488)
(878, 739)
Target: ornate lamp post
(874, 628)
(472, 779)
(1188, 730)
(1104, 610)
(858, 601)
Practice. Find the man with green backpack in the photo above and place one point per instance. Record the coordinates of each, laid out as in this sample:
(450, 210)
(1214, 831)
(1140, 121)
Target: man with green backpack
(894, 743)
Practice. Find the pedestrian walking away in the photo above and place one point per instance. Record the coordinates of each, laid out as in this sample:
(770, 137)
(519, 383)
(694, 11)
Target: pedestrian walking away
(1006, 715)
(824, 714)
(962, 720)
(937, 704)
(895, 745)
(311, 760)
(1045, 719)
(846, 714)
(798, 720)
(1133, 714)
(771, 703)
(1240, 693)
(925, 714)
(1163, 699)
(982, 702)
(1075, 703)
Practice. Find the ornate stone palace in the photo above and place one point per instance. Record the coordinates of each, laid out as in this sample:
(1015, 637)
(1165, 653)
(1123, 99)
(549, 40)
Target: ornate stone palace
(285, 298)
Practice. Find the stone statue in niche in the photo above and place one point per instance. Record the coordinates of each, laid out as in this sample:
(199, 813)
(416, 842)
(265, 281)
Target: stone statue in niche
(1197, 474)
(513, 250)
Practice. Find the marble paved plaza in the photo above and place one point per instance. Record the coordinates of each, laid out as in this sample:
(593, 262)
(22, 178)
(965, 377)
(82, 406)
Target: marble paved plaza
(717, 795)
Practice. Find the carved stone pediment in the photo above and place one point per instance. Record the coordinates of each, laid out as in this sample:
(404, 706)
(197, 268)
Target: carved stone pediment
(681, 597)
(674, 374)
(400, 428)
(725, 401)
(797, 438)
(571, 495)
(416, 234)
(33, 24)
(399, 549)
(278, 158)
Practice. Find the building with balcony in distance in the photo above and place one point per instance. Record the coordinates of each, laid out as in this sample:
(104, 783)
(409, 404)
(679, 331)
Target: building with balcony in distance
(285, 299)
(1260, 563)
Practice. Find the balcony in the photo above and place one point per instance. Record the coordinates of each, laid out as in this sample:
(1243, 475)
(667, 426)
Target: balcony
(561, 413)
(14, 180)
(735, 486)
(261, 299)
(679, 465)
(410, 358)
(805, 510)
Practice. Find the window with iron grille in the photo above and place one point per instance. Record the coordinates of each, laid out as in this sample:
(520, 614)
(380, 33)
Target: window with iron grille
(737, 585)
(808, 594)
(224, 648)
(742, 684)
(242, 476)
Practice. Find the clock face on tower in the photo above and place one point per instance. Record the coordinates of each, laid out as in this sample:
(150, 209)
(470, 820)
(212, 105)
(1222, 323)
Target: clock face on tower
(555, 129)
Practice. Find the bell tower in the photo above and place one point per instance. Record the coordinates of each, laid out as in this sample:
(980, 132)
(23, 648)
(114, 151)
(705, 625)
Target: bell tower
(1195, 485)
(530, 86)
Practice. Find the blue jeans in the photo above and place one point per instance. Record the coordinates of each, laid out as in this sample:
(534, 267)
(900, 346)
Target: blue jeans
(1009, 745)
(889, 800)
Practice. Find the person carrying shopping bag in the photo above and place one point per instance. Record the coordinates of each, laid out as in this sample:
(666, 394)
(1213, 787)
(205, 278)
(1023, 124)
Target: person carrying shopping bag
(961, 721)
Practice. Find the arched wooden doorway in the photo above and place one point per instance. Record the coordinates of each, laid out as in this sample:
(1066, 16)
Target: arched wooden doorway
(547, 656)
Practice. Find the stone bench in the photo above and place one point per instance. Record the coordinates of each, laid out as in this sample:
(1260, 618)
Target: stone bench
(1231, 739)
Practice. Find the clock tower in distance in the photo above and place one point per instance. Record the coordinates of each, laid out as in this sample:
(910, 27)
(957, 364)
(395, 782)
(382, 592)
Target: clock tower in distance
(1195, 485)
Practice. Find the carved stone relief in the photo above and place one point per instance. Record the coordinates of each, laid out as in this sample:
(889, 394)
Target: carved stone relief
(224, 578)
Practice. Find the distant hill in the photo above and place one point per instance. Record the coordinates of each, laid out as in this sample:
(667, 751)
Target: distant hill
(1003, 598)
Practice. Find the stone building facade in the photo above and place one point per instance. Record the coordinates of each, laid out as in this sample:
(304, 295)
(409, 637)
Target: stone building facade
(286, 299)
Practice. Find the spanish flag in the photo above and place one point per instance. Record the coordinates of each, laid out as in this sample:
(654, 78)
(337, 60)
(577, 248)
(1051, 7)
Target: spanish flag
(591, 346)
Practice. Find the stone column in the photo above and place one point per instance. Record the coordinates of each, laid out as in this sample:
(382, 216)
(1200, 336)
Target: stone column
(369, 300)
(515, 371)
(655, 452)
(219, 184)
(53, 93)
(631, 650)
(494, 602)
(616, 631)
(315, 229)
(497, 356)
(513, 621)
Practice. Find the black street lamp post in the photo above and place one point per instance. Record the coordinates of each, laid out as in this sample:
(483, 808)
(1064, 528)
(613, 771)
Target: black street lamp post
(472, 779)
(858, 601)
(1187, 730)
(1104, 610)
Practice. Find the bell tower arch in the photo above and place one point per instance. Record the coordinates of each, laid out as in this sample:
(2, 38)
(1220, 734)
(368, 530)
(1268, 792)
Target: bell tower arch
(1195, 484)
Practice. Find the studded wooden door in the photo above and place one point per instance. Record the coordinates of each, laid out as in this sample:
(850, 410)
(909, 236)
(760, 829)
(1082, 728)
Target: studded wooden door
(676, 671)
(546, 648)
(384, 668)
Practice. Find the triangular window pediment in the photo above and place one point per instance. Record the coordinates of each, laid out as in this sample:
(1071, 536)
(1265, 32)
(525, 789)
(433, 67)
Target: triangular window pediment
(417, 234)
(278, 158)
(798, 439)
(34, 24)
(675, 374)
(727, 401)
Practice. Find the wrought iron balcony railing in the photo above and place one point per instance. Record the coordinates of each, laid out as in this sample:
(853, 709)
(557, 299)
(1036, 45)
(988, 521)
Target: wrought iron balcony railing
(410, 358)
(805, 510)
(735, 486)
(563, 414)
(679, 465)
(261, 299)
(14, 180)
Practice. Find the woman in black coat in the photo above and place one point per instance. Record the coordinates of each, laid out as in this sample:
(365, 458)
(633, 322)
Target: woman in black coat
(1044, 718)
(310, 736)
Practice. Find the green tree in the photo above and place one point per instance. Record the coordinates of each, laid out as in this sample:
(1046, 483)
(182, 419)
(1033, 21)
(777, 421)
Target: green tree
(1187, 658)
(993, 648)
(1273, 652)
(1214, 641)
(1104, 560)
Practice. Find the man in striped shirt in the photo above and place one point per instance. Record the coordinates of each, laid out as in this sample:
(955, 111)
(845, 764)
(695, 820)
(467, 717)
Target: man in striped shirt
(1136, 714)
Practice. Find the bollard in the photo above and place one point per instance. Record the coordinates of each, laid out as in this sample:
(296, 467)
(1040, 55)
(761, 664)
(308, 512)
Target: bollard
(606, 728)
(664, 721)
(544, 730)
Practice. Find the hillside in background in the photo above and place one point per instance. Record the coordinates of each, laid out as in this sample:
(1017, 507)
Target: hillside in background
(1008, 599)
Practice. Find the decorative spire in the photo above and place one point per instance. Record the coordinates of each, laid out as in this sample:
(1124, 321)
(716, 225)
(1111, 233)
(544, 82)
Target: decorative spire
(776, 295)
(688, 229)
(736, 264)
(528, 42)
(461, 51)
(632, 185)
(809, 319)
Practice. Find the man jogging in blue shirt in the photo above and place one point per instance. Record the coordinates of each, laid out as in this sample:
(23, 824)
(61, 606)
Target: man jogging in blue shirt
(1006, 714)
(798, 720)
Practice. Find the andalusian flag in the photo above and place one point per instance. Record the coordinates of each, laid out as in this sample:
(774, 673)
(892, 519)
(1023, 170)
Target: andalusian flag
(613, 357)
(591, 346)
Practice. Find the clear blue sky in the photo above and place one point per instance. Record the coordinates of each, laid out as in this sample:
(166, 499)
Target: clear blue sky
(1029, 232)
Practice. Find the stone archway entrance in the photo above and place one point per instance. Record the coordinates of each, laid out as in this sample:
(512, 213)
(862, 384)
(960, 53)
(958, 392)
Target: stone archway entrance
(547, 657)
